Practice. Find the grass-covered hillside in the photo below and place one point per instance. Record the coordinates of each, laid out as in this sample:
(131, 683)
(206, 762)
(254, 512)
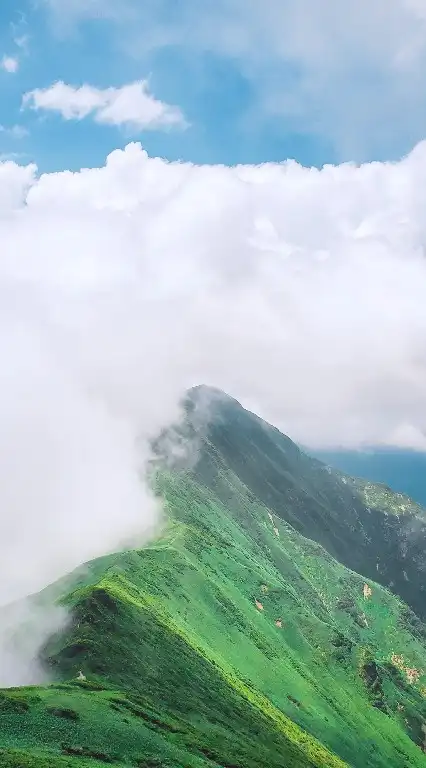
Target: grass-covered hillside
(366, 527)
(234, 640)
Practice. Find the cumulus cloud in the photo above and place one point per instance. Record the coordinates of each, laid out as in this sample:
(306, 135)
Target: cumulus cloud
(131, 105)
(299, 291)
(10, 64)
(296, 288)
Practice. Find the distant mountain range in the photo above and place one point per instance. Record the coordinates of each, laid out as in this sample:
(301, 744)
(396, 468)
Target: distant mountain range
(278, 621)
(403, 471)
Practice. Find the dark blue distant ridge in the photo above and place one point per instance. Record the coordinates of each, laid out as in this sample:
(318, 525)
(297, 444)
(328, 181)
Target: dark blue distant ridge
(401, 470)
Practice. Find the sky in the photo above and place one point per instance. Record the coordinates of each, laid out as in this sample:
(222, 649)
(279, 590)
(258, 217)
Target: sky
(253, 81)
(230, 193)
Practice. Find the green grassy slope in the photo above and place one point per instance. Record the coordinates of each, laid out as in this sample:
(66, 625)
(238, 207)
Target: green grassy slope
(184, 669)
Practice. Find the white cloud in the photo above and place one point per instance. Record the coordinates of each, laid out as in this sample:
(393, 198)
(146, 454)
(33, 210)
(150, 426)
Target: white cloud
(307, 284)
(10, 64)
(131, 105)
(348, 72)
(298, 291)
(25, 627)
(70, 12)
(22, 42)
(18, 131)
(15, 131)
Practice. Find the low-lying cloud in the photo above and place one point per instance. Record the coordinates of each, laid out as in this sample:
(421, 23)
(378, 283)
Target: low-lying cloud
(299, 291)
(25, 627)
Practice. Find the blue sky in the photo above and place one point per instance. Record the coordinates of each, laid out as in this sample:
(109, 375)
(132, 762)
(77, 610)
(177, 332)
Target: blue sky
(256, 81)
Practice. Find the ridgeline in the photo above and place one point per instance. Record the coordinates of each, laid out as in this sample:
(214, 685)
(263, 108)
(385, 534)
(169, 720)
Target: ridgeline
(277, 622)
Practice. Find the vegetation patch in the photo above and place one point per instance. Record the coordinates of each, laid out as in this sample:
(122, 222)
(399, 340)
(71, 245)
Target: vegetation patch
(66, 713)
(86, 752)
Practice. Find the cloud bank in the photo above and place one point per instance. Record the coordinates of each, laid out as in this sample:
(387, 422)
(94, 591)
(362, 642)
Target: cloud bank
(131, 105)
(299, 291)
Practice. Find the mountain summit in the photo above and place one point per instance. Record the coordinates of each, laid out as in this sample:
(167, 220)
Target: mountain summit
(277, 621)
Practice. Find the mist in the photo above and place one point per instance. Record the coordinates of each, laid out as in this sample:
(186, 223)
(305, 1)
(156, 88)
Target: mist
(297, 291)
(25, 627)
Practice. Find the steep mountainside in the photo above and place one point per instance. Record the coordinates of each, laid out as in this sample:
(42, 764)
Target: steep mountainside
(366, 527)
(234, 640)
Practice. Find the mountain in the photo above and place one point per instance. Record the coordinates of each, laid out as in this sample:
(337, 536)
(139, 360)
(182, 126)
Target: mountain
(244, 636)
(365, 526)
(402, 470)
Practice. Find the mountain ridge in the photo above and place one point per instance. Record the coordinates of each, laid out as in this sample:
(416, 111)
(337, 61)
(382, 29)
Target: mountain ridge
(402, 470)
(374, 531)
(232, 640)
